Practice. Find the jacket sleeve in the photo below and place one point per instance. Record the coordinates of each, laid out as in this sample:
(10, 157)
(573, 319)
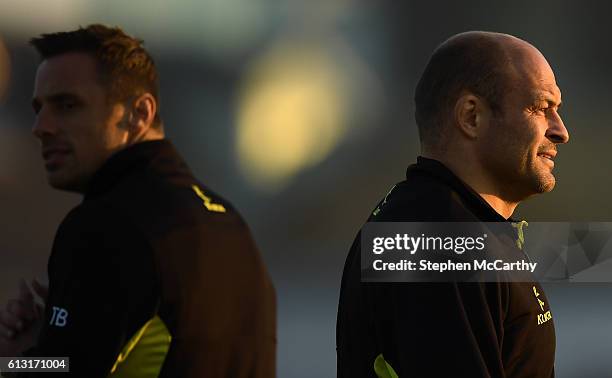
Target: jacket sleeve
(440, 329)
(102, 289)
(225, 326)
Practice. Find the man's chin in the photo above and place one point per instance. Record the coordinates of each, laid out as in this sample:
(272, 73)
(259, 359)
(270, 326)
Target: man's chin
(60, 181)
(546, 183)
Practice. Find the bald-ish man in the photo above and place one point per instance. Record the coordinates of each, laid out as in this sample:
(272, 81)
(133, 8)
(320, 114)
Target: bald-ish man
(487, 110)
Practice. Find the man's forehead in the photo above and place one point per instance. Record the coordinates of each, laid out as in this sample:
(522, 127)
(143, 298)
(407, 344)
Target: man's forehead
(548, 93)
(533, 76)
(66, 72)
(543, 88)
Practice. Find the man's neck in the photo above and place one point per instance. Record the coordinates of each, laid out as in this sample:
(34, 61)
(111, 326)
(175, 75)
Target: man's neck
(503, 208)
(472, 176)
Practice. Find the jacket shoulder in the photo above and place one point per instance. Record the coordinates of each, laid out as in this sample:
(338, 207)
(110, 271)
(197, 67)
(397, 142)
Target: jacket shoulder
(422, 198)
(160, 204)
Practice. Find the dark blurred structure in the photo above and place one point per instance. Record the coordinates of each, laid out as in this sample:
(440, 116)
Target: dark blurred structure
(301, 113)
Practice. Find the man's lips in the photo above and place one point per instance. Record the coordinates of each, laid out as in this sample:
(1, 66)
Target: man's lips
(548, 156)
(54, 155)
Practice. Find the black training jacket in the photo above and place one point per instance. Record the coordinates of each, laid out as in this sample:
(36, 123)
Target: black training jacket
(440, 329)
(154, 274)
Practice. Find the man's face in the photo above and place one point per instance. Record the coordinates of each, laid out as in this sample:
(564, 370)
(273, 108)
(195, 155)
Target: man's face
(519, 146)
(76, 124)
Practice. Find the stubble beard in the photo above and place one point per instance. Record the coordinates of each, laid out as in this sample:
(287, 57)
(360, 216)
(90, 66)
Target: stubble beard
(543, 179)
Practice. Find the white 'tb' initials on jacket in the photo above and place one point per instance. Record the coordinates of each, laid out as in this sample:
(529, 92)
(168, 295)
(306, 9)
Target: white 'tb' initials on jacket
(59, 317)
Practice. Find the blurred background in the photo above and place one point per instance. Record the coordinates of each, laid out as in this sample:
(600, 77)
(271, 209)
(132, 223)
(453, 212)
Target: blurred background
(301, 113)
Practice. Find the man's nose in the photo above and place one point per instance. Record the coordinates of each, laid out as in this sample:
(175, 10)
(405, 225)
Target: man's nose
(43, 125)
(556, 132)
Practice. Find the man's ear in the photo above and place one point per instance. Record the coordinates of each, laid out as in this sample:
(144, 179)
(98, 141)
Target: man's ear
(142, 114)
(470, 114)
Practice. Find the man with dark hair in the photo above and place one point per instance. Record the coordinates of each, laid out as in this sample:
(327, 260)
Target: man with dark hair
(152, 274)
(123, 64)
(487, 111)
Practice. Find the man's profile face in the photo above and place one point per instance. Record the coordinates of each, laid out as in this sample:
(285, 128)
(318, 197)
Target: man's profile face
(520, 145)
(76, 124)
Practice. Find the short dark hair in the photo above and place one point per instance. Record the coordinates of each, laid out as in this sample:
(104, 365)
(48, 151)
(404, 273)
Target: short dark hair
(122, 60)
(474, 61)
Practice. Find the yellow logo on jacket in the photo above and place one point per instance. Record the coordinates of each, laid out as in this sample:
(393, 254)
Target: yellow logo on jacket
(208, 203)
(544, 316)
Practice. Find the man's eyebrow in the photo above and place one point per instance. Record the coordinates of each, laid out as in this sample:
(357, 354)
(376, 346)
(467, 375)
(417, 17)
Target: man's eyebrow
(548, 98)
(61, 96)
(54, 98)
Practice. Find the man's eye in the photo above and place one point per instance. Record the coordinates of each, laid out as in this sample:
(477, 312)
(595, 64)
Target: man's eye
(67, 105)
(539, 109)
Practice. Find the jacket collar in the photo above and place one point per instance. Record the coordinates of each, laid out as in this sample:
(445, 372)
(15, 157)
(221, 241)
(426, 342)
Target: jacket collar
(473, 200)
(130, 160)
